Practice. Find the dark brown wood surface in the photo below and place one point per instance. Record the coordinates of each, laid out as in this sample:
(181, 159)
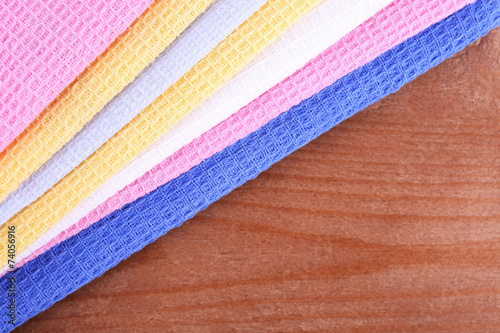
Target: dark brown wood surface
(390, 222)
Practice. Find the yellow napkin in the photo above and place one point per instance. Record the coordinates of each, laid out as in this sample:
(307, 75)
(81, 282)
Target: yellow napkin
(131, 52)
(202, 80)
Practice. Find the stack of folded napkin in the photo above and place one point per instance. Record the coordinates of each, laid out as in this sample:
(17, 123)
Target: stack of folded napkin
(120, 120)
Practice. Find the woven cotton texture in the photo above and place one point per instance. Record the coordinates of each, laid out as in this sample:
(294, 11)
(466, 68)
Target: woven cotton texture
(206, 76)
(44, 45)
(150, 34)
(406, 17)
(76, 261)
(305, 39)
(208, 30)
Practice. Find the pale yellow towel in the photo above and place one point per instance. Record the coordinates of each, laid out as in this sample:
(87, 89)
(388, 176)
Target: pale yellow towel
(201, 81)
(131, 52)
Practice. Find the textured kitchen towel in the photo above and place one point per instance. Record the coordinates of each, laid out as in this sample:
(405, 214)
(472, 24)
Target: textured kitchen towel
(305, 39)
(238, 92)
(208, 30)
(180, 98)
(405, 17)
(160, 24)
(44, 45)
(79, 259)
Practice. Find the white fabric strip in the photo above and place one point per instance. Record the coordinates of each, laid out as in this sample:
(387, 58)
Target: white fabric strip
(316, 31)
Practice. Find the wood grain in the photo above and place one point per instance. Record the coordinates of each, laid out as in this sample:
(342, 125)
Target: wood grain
(390, 222)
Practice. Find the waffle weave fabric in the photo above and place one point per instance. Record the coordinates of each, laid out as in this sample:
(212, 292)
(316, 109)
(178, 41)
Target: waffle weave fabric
(44, 45)
(149, 35)
(79, 259)
(208, 30)
(199, 82)
(375, 36)
(305, 39)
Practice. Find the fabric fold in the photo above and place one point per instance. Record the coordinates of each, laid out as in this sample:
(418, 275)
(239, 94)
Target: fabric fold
(208, 30)
(79, 259)
(131, 52)
(44, 46)
(179, 99)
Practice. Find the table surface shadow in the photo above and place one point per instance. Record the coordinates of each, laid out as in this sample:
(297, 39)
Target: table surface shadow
(390, 222)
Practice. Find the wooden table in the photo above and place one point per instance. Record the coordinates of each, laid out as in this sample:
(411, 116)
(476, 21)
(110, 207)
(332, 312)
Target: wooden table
(390, 222)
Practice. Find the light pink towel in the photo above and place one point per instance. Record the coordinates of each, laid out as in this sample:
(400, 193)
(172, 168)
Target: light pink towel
(391, 26)
(45, 44)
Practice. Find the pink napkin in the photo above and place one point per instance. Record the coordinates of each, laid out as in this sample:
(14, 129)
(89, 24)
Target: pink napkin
(45, 44)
